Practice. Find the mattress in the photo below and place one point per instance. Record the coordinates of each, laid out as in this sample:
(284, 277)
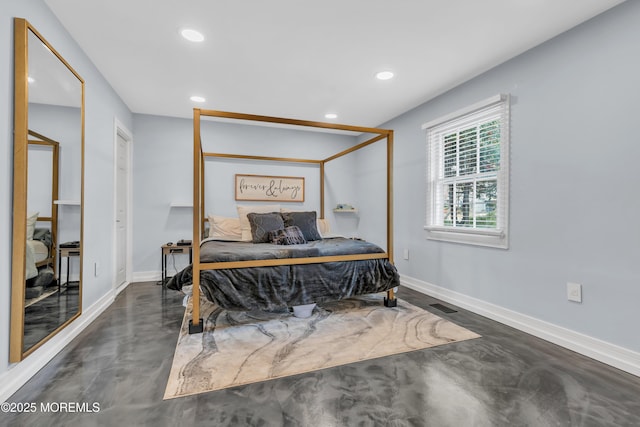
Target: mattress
(275, 287)
(213, 250)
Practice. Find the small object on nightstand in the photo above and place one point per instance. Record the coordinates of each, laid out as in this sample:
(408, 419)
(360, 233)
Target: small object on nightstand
(183, 242)
(169, 243)
(75, 244)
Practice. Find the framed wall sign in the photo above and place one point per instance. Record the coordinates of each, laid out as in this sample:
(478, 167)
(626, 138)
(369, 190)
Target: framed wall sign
(270, 188)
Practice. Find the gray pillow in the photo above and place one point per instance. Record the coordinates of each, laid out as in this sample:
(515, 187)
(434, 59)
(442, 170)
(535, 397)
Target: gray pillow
(305, 221)
(44, 235)
(287, 236)
(262, 223)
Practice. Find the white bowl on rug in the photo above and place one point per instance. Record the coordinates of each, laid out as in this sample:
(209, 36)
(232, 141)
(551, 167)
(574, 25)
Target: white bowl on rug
(303, 311)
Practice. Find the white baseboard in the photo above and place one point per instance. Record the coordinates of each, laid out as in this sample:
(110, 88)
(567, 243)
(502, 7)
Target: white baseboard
(146, 276)
(121, 288)
(611, 354)
(19, 373)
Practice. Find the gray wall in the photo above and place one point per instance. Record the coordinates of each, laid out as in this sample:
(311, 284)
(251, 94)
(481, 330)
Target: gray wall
(162, 174)
(102, 106)
(574, 176)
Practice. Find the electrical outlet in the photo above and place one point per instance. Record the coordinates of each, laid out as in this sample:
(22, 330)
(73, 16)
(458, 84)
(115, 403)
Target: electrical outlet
(574, 292)
(405, 254)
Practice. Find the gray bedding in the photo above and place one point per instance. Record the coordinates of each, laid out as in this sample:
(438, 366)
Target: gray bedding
(270, 288)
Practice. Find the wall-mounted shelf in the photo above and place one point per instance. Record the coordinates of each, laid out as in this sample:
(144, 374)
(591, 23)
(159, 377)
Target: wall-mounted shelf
(346, 210)
(181, 204)
(67, 202)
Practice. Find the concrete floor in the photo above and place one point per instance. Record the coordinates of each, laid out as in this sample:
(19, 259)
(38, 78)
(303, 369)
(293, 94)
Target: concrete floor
(46, 315)
(506, 378)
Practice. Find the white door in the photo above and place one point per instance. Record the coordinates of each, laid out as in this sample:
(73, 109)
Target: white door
(122, 198)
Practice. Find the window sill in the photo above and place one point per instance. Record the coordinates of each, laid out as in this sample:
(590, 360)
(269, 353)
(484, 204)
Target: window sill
(489, 238)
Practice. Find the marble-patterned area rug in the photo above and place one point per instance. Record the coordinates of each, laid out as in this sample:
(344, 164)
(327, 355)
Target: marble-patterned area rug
(238, 348)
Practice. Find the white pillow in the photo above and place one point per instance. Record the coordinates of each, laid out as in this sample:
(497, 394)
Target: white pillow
(323, 226)
(31, 270)
(244, 221)
(222, 227)
(31, 224)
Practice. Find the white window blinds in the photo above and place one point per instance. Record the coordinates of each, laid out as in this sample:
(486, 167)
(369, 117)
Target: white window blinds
(467, 174)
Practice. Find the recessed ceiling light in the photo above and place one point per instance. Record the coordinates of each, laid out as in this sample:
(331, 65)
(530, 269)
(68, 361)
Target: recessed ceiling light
(192, 35)
(197, 99)
(331, 116)
(384, 75)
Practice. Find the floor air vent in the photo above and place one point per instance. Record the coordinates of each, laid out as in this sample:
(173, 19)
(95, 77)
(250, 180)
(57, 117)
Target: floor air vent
(444, 308)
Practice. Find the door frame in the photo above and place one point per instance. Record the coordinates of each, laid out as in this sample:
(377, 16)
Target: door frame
(121, 130)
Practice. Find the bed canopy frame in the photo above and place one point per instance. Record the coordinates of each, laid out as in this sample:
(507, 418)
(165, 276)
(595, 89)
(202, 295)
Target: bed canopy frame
(195, 323)
(53, 218)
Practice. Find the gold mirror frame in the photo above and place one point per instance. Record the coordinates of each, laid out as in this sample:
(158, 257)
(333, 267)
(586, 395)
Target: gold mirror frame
(22, 30)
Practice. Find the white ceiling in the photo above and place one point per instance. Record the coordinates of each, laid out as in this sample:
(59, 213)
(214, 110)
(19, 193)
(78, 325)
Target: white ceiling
(302, 59)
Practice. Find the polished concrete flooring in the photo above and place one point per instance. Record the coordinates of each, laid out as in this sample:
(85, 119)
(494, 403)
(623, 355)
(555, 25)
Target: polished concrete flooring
(121, 363)
(46, 315)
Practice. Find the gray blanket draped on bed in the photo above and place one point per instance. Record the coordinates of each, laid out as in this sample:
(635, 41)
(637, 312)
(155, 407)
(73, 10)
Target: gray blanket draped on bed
(270, 288)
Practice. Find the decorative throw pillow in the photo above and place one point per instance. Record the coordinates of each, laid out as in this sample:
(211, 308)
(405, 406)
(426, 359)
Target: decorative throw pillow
(322, 224)
(44, 235)
(262, 224)
(287, 236)
(305, 221)
(243, 210)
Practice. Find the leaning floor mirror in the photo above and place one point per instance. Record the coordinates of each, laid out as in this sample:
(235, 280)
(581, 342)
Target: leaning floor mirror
(48, 171)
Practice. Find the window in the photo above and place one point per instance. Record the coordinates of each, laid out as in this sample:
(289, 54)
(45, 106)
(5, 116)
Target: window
(467, 174)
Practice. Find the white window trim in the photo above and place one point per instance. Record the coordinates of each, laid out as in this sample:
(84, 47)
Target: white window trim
(497, 238)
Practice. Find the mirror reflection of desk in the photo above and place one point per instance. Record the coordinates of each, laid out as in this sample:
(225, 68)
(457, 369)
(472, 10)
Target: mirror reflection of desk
(66, 250)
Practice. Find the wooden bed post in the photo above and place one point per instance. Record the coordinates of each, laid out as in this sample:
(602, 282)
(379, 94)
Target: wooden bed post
(390, 300)
(390, 195)
(54, 207)
(322, 190)
(201, 192)
(195, 323)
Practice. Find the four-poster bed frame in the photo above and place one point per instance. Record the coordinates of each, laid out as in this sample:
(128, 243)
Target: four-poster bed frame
(195, 323)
